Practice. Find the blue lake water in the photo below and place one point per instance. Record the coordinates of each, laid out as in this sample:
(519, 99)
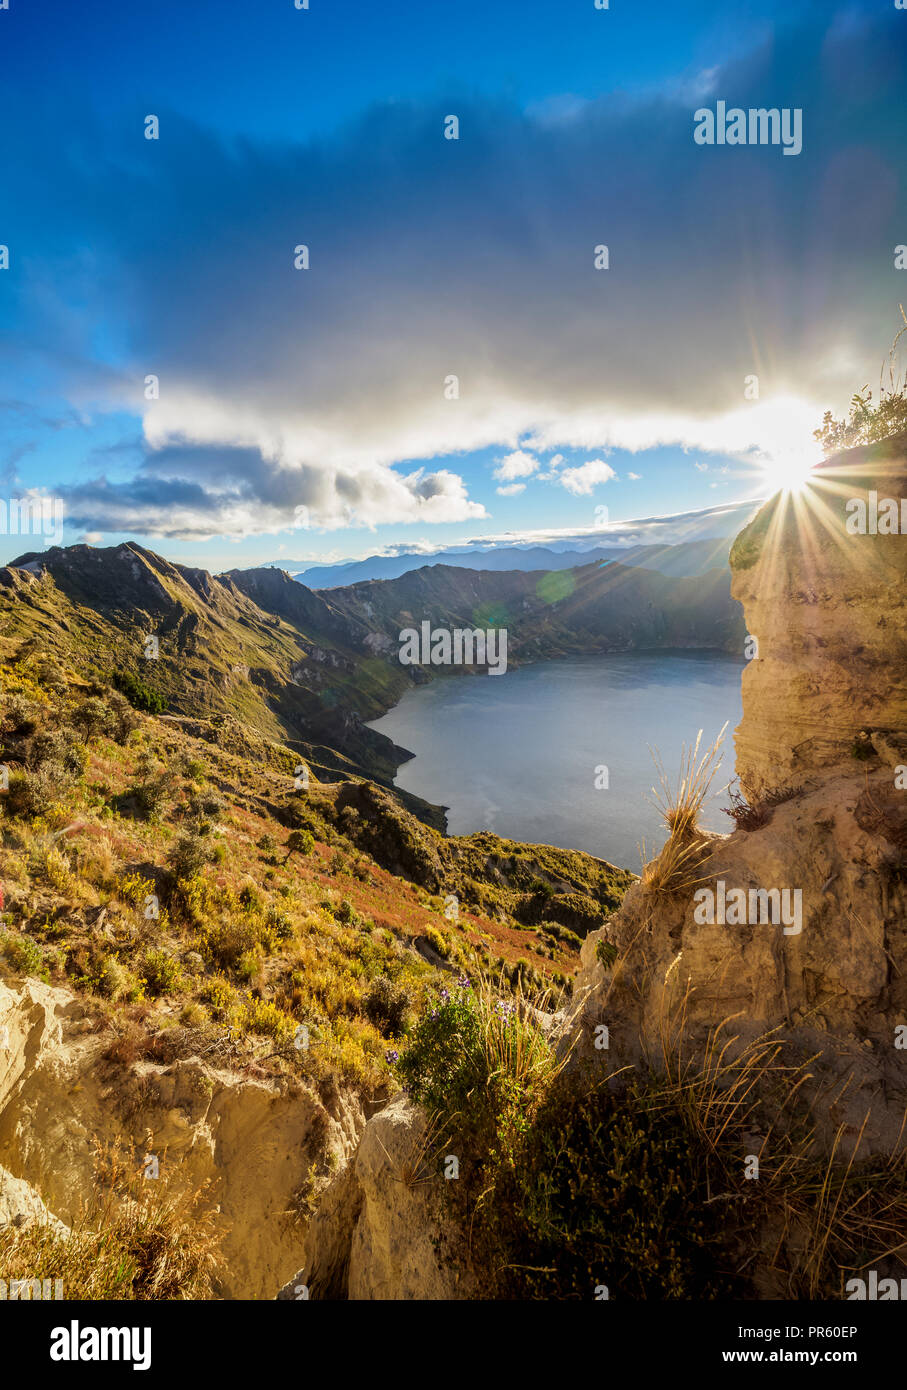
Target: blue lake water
(518, 753)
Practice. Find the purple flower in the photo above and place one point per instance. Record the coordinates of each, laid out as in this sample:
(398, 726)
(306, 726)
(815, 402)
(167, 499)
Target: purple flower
(445, 995)
(391, 1056)
(464, 982)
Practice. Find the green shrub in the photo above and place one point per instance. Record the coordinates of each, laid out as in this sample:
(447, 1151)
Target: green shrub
(222, 997)
(279, 923)
(477, 1056)
(139, 695)
(20, 715)
(606, 953)
(123, 720)
(266, 1018)
(203, 808)
(443, 1065)
(188, 855)
(386, 1006)
(299, 842)
(560, 933)
(149, 797)
(606, 1190)
(57, 747)
(25, 955)
(91, 717)
(229, 939)
(32, 794)
(117, 981)
(251, 899)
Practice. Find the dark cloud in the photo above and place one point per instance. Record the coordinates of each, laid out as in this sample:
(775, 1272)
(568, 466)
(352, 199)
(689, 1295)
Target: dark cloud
(282, 389)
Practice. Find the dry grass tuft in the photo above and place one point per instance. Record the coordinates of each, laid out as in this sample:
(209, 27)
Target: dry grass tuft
(140, 1240)
(676, 868)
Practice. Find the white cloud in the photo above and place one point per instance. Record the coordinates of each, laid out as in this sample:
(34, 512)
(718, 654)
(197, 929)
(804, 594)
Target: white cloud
(510, 489)
(254, 496)
(582, 480)
(516, 465)
(634, 477)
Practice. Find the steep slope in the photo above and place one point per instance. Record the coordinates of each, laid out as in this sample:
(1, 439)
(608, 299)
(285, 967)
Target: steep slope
(296, 671)
(175, 914)
(310, 670)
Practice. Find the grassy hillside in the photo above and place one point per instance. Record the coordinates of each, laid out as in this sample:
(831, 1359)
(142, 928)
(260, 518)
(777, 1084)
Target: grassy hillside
(296, 672)
(168, 867)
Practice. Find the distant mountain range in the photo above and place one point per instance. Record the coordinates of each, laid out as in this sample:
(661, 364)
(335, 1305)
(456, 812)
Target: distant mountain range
(687, 544)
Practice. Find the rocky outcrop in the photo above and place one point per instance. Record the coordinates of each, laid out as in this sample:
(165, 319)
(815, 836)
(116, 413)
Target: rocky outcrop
(832, 987)
(820, 754)
(253, 1142)
(21, 1205)
(381, 1232)
(827, 606)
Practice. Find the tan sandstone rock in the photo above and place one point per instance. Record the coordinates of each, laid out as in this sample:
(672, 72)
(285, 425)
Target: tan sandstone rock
(824, 723)
(252, 1141)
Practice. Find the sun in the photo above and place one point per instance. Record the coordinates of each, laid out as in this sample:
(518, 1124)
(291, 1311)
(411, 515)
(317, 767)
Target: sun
(784, 448)
(788, 473)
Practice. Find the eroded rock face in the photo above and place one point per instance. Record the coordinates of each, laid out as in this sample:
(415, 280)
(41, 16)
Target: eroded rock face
(828, 607)
(252, 1141)
(21, 1205)
(821, 755)
(381, 1232)
(834, 987)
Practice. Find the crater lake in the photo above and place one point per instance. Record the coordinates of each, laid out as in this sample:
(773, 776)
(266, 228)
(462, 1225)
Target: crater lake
(521, 754)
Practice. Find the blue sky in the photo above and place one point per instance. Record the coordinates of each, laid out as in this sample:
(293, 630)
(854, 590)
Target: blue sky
(304, 412)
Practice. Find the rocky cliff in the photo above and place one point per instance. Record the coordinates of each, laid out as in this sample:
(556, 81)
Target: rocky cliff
(827, 606)
(819, 748)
